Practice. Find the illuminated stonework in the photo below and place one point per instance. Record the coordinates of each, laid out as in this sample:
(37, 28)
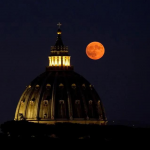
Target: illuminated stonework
(59, 61)
(60, 94)
(59, 58)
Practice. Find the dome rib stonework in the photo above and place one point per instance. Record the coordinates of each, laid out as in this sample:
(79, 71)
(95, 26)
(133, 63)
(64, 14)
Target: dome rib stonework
(60, 95)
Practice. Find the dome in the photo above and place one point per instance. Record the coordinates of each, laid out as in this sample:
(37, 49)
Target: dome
(57, 96)
(60, 95)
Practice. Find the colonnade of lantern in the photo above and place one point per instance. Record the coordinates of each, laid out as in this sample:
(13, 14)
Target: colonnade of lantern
(59, 61)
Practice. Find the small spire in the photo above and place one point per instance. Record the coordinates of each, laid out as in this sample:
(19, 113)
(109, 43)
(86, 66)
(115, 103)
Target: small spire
(59, 40)
(59, 24)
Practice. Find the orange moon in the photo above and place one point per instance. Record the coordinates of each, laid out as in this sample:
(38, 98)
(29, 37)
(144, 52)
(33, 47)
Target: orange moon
(95, 50)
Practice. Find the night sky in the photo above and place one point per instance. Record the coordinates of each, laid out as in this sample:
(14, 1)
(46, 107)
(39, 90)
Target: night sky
(121, 77)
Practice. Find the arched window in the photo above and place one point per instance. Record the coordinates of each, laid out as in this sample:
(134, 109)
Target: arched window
(90, 102)
(99, 109)
(45, 116)
(21, 116)
(29, 86)
(61, 101)
(91, 109)
(61, 85)
(32, 101)
(45, 108)
(77, 102)
(73, 85)
(48, 86)
(77, 108)
(45, 102)
(83, 85)
(22, 102)
(37, 87)
(91, 86)
(61, 109)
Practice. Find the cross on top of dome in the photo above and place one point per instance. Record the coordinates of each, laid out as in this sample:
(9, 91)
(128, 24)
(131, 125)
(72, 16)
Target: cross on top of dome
(59, 24)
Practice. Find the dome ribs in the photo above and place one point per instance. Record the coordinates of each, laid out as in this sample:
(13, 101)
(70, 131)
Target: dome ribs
(44, 110)
(95, 101)
(89, 101)
(69, 99)
(53, 96)
(32, 107)
(91, 110)
(73, 96)
(29, 108)
(60, 96)
(28, 99)
(100, 106)
(19, 109)
(103, 112)
(89, 93)
(82, 97)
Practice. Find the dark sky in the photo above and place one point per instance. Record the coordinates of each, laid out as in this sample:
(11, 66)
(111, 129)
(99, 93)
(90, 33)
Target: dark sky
(121, 77)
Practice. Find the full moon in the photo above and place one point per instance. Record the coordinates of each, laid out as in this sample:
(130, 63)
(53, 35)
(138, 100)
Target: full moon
(95, 50)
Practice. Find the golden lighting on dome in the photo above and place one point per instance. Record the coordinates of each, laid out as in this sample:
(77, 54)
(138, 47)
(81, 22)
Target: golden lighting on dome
(59, 61)
(58, 32)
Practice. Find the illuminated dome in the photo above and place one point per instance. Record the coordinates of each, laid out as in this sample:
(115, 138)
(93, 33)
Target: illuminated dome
(60, 94)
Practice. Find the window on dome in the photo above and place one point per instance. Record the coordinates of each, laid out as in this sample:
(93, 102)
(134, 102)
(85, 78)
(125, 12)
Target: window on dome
(91, 108)
(37, 87)
(21, 116)
(77, 109)
(32, 101)
(83, 85)
(61, 101)
(48, 86)
(99, 107)
(90, 102)
(45, 102)
(22, 102)
(77, 102)
(61, 109)
(45, 116)
(61, 85)
(29, 86)
(73, 85)
(91, 86)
